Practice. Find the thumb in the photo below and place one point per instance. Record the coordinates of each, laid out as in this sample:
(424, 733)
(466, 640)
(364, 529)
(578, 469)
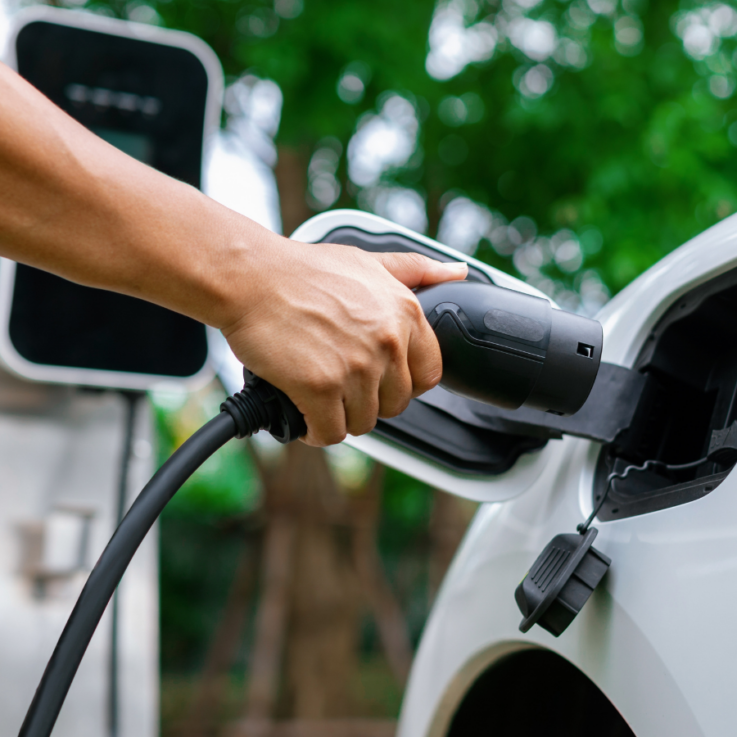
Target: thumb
(414, 270)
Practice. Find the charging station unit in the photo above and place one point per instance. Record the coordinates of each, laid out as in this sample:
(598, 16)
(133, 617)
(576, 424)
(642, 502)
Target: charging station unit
(72, 459)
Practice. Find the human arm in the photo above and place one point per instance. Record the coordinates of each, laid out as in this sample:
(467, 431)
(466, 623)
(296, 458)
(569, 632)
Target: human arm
(337, 329)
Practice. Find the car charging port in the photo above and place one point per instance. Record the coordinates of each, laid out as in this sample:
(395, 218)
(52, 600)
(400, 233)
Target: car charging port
(686, 410)
(680, 445)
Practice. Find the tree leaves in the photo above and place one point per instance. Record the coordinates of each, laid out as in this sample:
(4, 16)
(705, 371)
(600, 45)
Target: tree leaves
(607, 114)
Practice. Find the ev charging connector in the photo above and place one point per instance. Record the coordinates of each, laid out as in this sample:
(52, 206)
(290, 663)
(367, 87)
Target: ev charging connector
(511, 349)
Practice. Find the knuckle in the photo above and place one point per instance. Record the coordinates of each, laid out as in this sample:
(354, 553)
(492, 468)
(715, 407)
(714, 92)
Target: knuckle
(324, 385)
(364, 420)
(323, 433)
(413, 308)
(362, 426)
(333, 437)
(394, 407)
(360, 429)
(361, 367)
(320, 438)
(390, 341)
(415, 259)
(427, 380)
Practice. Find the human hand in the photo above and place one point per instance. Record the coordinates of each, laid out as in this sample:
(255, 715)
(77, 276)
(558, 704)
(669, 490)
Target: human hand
(340, 332)
(337, 329)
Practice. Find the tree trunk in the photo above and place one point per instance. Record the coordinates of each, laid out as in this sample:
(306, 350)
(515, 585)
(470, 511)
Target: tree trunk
(202, 719)
(291, 181)
(323, 635)
(271, 620)
(383, 604)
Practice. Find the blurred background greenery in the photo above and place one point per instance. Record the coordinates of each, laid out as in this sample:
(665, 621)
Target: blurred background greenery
(220, 519)
(603, 131)
(572, 143)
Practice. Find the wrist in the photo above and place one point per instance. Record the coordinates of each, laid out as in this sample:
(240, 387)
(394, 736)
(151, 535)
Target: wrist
(239, 263)
(206, 260)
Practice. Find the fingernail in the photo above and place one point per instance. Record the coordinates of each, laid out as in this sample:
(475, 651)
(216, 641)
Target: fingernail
(457, 266)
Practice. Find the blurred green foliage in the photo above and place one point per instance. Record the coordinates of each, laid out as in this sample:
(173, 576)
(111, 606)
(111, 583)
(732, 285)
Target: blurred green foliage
(405, 547)
(618, 130)
(227, 483)
(406, 505)
(197, 562)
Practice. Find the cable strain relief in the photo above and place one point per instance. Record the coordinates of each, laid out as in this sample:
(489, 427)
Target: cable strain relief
(248, 411)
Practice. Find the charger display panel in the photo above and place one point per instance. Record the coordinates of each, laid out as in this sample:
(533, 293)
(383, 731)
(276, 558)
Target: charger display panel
(150, 100)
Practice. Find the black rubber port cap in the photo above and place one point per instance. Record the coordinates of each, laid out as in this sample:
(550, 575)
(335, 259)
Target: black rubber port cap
(560, 582)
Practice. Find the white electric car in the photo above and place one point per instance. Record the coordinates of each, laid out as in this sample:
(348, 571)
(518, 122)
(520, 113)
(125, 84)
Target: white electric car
(653, 653)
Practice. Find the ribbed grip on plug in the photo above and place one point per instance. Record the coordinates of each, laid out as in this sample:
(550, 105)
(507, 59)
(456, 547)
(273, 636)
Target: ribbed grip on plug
(261, 406)
(248, 412)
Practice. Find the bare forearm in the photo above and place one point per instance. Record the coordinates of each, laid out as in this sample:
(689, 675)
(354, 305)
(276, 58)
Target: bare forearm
(336, 328)
(72, 204)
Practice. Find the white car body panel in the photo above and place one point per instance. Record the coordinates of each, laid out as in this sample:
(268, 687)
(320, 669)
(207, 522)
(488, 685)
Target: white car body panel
(657, 637)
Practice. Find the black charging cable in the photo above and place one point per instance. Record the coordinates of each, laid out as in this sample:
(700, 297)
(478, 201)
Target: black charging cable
(259, 406)
(130, 400)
